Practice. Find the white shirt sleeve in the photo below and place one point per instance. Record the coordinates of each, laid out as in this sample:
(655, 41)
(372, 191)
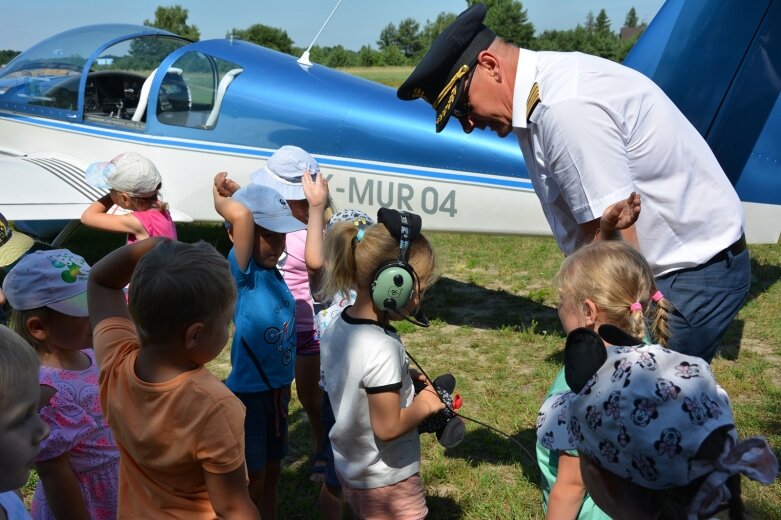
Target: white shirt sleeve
(383, 369)
(585, 147)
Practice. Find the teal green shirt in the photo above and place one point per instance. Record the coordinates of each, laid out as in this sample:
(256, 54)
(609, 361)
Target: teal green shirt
(548, 461)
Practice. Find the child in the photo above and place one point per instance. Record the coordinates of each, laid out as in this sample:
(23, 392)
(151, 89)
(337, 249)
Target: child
(78, 463)
(316, 190)
(375, 439)
(134, 184)
(21, 428)
(654, 430)
(179, 430)
(284, 172)
(604, 282)
(263, 352)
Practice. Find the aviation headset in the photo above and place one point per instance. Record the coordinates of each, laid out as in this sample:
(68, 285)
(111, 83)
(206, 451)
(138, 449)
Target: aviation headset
(394, 281)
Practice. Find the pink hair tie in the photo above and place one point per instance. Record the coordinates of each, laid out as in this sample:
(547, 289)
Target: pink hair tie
(635, 307)
(657, 296)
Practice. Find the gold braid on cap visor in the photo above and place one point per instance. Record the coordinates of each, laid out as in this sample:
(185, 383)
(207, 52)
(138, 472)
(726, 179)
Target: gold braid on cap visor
(451, 86)
(458, 75)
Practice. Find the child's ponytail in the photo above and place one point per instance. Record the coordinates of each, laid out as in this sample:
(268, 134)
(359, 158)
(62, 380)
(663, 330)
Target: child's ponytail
(660, 329)
(353, 256)
(339, 248)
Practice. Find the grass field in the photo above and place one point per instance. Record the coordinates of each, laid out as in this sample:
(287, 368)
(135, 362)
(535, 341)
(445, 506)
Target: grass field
(391, 76)
(495, 327)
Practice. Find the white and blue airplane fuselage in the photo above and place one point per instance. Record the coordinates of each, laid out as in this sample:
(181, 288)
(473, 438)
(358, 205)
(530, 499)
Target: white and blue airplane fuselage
(198, 108)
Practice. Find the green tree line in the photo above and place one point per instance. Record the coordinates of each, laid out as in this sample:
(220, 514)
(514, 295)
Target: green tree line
(405, 43)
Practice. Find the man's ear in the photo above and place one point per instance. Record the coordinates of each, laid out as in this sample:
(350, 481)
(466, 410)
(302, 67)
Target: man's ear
(491, 63)
(192, 334)
(36, 327)
(584, 354)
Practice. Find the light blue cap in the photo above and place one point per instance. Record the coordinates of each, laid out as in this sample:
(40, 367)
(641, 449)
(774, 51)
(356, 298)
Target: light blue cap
(269, 209)
(283, 172)
(55, 278)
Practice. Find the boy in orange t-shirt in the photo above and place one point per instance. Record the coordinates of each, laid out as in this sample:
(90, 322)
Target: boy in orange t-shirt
(180, 431)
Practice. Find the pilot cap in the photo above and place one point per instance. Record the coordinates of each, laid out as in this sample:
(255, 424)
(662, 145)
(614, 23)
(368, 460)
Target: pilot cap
(441, 75)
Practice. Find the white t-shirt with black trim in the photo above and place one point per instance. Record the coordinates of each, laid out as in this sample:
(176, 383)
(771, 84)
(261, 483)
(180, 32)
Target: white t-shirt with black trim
(359, 357)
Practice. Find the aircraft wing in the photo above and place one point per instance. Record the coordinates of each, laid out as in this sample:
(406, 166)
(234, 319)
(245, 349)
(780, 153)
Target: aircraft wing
(38, 188)
(48, 188)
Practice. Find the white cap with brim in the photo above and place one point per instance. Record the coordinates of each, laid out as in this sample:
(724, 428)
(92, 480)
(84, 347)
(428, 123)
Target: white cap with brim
(129, 173)
(12, 243)
(283, 172)
(269, 209)
(55, 278)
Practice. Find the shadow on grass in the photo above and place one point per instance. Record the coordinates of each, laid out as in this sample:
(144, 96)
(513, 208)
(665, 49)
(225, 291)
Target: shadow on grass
(763, 277)
(443, 507)
(296, 494)
(460, 303)
(481, 445)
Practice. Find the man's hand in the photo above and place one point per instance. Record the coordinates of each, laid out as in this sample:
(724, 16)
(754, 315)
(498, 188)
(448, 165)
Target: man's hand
(620, 215)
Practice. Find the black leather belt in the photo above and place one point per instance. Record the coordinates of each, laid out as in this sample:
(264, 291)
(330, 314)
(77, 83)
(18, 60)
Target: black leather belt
(735, 249)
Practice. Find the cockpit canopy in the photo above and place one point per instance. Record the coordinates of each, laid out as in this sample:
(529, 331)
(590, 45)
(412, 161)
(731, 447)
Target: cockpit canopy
(45, 79)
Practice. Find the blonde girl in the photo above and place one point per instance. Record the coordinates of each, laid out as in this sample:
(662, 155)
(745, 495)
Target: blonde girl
(605, 282)
(375, 439)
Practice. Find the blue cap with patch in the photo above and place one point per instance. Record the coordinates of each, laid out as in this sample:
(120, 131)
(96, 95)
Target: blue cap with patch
(55, 278)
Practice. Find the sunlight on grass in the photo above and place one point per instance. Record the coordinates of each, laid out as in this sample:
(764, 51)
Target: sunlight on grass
(494, 326)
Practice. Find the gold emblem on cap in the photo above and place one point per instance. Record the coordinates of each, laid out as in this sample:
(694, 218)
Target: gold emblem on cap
(458, 75)
(532, 101)
(418, 93)
(447, 106)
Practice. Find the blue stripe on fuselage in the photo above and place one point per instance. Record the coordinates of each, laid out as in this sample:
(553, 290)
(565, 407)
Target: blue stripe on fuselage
(254, 152)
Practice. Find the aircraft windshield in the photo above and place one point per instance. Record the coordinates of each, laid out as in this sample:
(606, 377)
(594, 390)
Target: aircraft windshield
(66, 53)
(47, 76)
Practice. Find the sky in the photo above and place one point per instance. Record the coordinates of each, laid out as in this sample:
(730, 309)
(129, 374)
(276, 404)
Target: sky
(355, 22)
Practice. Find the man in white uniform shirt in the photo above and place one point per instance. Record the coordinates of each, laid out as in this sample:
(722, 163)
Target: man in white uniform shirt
(592, 132)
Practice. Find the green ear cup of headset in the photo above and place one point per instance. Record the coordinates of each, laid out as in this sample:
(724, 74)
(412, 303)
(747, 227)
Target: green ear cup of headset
(392, 286)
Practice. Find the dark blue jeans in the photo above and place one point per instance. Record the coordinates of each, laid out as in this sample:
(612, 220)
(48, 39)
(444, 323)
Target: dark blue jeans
(706, 298)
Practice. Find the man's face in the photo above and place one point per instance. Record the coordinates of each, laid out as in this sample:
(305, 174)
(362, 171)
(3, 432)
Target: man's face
(486, 104)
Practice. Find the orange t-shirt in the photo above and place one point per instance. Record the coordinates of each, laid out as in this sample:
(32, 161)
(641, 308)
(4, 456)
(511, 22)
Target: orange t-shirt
(168, 433)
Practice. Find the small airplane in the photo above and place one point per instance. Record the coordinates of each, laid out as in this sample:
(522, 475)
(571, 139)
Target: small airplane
(197, 108)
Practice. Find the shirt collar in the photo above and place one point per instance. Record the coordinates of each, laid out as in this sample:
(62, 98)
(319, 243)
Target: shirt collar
(525, 75)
